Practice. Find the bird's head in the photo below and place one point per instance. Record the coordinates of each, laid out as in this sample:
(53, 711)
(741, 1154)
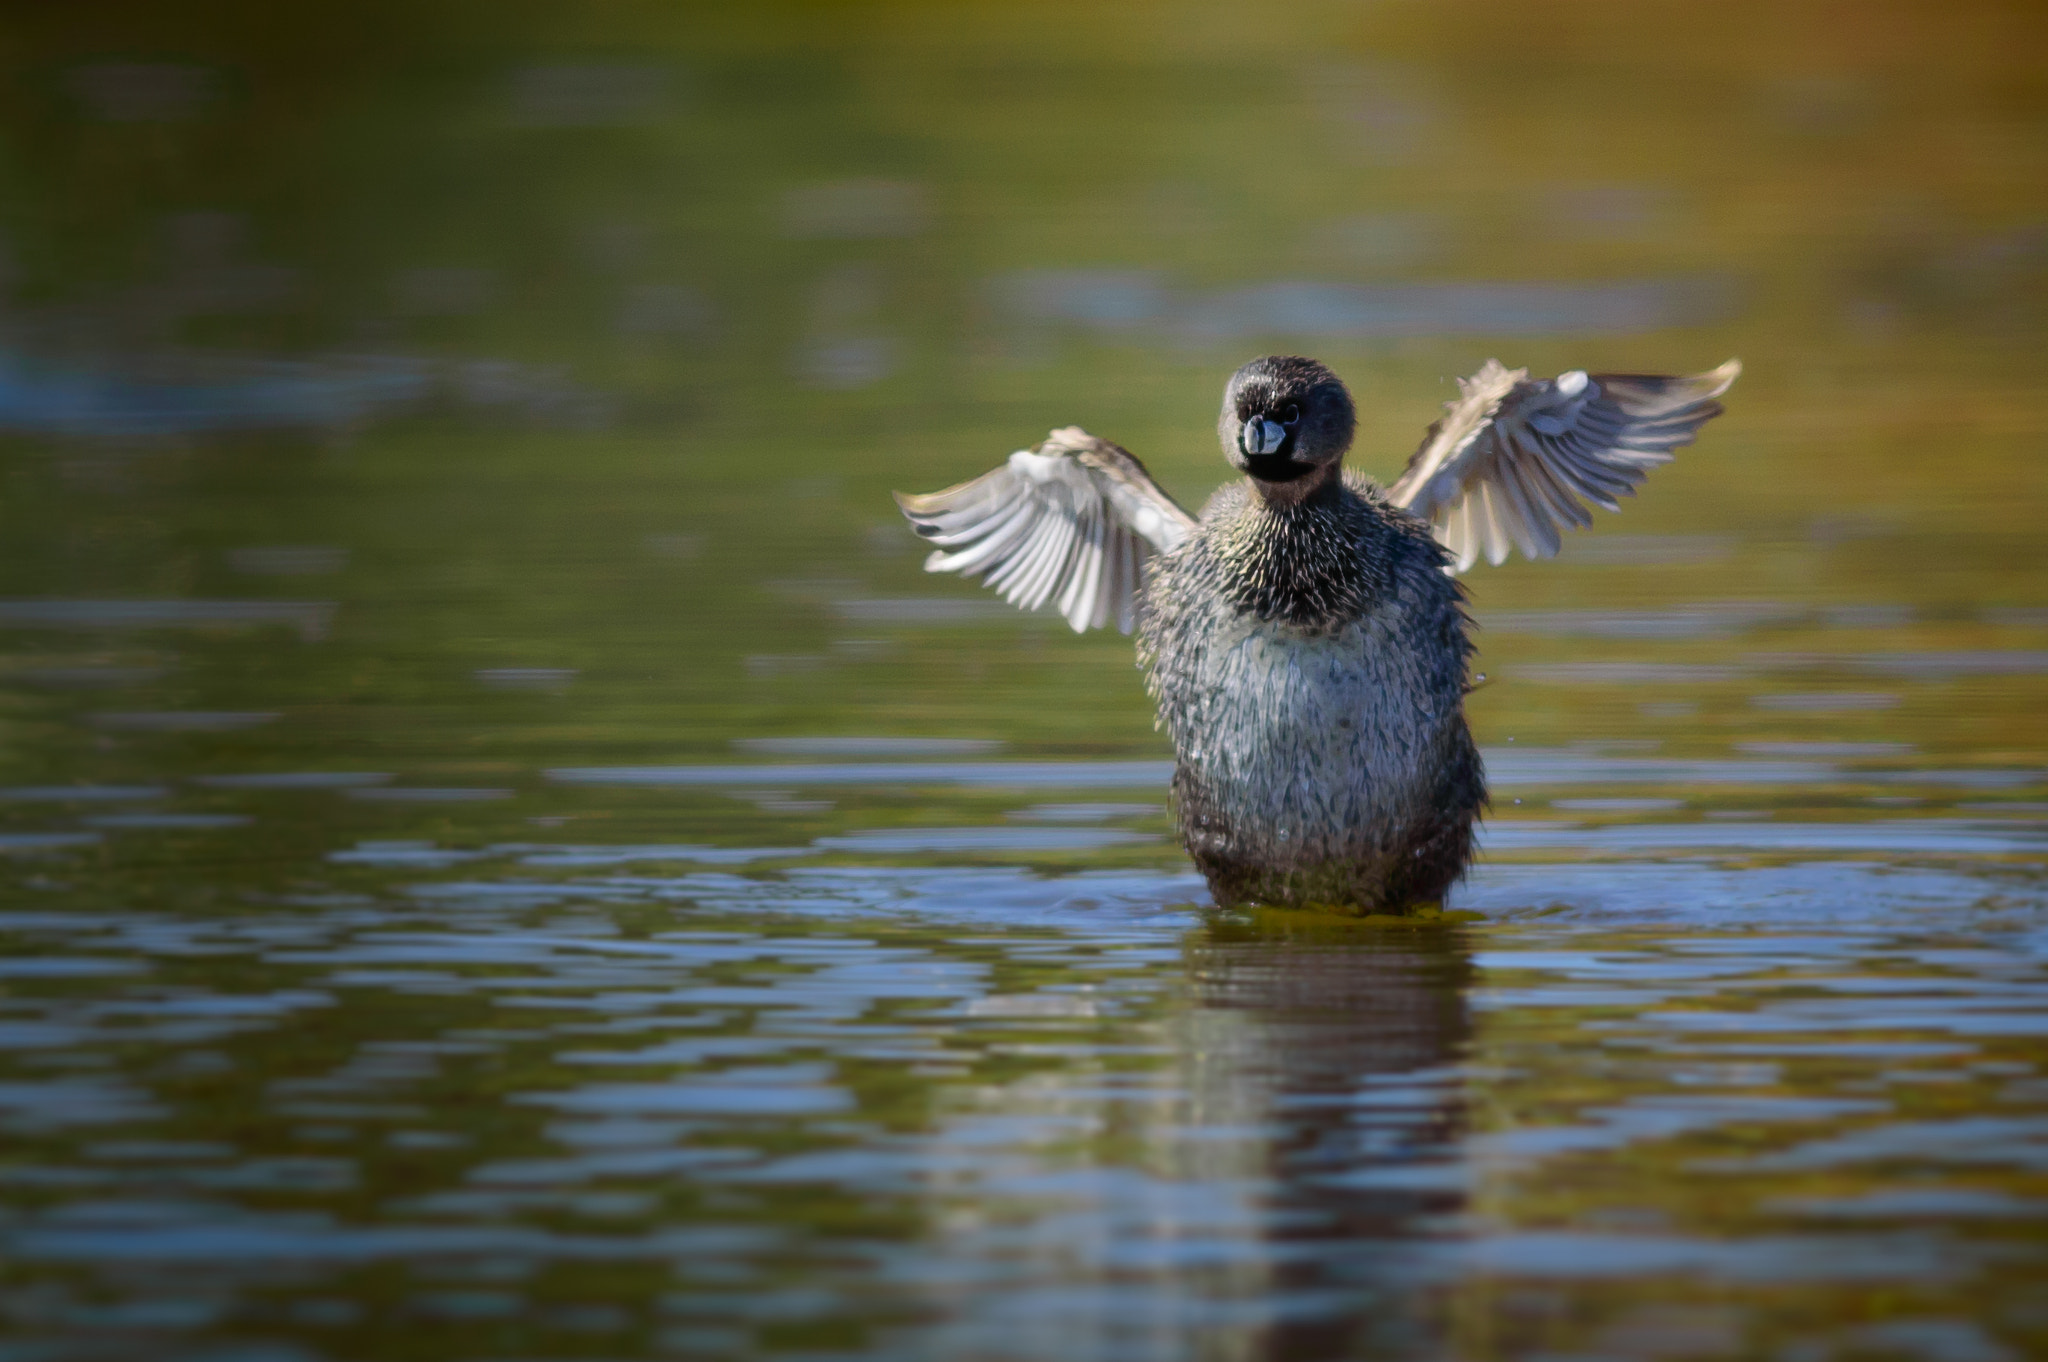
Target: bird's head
(1286, 422)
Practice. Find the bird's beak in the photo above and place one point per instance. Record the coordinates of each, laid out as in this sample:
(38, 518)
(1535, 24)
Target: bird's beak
(1261, 436)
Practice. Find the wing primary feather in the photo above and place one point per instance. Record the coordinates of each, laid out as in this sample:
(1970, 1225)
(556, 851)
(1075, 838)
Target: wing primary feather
(1528, 523)
(1513, 461)
(1566, 507)
(1115, 600)
(1017, 573)
(1077, 602)
(1105, 587)
(1088, 600)
(1112, 578)
(1069, 521)
(1105, 576)
(1017, 560)
(1463, 541)
(1002, 538)
(1042, 568)
(947, 535)
(1497, 544)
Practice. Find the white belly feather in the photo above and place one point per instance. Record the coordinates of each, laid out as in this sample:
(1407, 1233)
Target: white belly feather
(1312, 742)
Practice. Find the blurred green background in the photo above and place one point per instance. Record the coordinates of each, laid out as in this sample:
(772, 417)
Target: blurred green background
(592, 338)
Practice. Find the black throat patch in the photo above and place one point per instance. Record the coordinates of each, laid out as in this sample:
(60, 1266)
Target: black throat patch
(1319, 564)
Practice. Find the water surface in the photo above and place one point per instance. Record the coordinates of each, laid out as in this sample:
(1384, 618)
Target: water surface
(504, 855)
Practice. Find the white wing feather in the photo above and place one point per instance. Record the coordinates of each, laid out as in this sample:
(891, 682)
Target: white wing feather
(1070, 522)
(1513, 461)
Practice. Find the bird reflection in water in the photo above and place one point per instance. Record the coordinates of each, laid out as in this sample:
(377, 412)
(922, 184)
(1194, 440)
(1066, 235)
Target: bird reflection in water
(1340, 1041)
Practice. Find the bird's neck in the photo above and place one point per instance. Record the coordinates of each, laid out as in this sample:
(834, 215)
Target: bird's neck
(1325, 484)
(1310, 563)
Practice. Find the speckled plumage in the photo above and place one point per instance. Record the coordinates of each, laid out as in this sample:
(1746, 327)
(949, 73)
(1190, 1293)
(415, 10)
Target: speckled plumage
(1304, 638)
(1309, 662)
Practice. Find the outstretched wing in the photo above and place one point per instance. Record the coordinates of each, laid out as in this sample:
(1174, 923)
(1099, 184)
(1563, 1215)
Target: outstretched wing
(1513, 461)
(1071, 521)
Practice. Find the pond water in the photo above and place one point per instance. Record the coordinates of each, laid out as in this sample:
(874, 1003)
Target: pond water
(503, 854)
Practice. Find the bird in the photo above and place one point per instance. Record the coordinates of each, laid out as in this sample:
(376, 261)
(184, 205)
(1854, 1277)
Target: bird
(1305, 638)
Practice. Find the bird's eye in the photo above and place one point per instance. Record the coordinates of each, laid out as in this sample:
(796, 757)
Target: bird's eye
(1289, 414)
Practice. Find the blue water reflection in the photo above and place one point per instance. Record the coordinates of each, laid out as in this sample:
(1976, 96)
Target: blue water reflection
(1285, 1144)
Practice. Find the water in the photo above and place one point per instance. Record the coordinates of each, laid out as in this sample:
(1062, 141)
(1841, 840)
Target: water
(504, 855)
